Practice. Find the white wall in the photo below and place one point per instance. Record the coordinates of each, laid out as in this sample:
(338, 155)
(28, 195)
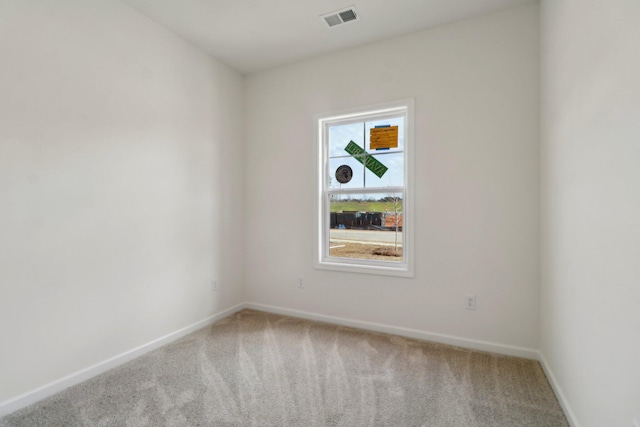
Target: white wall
(120, 175)
(590, 316)
(475, 85)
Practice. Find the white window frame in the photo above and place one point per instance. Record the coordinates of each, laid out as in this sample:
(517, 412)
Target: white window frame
(322, 260)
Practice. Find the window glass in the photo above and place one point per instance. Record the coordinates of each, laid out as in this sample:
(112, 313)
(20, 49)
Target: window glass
(392, 177)
(366, 226)
(341, 135)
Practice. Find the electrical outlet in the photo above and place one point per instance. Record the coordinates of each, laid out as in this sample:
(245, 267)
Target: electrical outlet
(214, 286)
(300, 283)
(470, 302)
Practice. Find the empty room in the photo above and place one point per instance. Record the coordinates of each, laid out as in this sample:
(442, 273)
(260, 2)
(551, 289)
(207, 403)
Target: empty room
(329, 213)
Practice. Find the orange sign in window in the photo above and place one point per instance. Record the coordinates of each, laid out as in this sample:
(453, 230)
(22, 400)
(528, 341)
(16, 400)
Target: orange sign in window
(384, 137)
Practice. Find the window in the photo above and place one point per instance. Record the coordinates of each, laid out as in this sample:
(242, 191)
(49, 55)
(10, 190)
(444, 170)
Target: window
(363, 216)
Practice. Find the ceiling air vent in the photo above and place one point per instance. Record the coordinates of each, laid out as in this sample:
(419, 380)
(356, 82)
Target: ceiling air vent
(341, 16)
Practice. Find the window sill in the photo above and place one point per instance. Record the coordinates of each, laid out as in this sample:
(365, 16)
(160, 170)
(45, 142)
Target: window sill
(378, 268)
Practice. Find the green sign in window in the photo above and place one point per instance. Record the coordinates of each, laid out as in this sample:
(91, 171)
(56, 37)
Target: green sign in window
(367, 160)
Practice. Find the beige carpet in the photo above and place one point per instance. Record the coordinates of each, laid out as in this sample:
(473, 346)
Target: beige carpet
(259, 369)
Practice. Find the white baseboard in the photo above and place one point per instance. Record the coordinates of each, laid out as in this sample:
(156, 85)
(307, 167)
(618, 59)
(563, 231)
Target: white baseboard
(54, 387)
(564, 403)
(508, 350)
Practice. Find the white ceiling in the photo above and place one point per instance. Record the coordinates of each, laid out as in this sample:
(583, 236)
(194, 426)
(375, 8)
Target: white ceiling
(253, 35)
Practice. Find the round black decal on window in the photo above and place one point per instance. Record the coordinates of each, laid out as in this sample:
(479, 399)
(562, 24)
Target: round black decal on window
(344, 174)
